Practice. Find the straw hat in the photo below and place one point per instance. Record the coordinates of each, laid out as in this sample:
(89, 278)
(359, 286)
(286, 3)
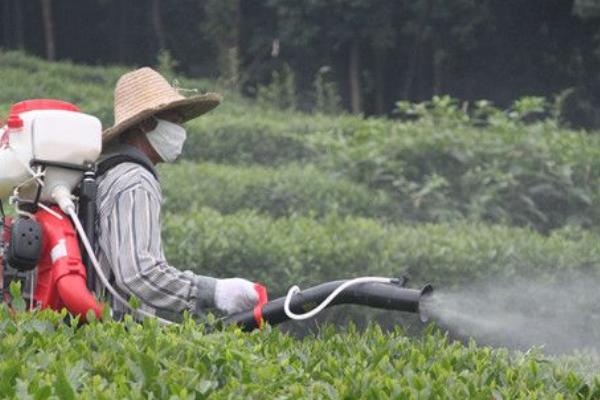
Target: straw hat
(144, 92)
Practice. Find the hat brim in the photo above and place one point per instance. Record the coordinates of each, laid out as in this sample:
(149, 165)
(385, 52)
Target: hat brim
(189, 108)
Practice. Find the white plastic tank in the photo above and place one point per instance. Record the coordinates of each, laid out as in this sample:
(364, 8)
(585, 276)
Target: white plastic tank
(48, 131)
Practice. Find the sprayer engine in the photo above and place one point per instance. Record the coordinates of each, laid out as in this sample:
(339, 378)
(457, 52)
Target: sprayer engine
(46, 147)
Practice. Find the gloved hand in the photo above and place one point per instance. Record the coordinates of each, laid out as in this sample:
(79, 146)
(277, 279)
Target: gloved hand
(235, 295)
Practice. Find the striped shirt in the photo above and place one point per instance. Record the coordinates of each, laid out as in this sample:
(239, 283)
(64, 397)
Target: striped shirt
(129, 246)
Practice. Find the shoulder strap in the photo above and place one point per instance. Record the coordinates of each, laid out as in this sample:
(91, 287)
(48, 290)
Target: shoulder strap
(112, 160)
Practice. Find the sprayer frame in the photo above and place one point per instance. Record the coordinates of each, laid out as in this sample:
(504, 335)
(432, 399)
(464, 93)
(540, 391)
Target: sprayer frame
(86, 206)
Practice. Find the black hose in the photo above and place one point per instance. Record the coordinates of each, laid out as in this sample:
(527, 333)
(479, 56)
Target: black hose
(87, 215)
(389, 296)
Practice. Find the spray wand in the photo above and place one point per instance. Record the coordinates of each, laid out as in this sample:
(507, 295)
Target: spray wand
(377, 292)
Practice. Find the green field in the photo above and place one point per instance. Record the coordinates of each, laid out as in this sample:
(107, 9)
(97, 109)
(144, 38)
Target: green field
(288, 198)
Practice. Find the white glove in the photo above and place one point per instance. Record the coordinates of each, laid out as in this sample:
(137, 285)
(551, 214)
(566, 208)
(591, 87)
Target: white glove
(235, 295)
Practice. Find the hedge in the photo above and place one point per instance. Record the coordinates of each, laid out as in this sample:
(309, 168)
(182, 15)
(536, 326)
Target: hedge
(240, 132)
(246, 142)
(536, 175)
(285, 251)
(42, 357)
(283, 191)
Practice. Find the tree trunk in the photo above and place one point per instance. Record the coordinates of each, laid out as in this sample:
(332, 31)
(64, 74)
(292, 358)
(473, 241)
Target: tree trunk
(354, 76)
(6, 42)
(122, 31)
(439, 57)
(158, 25)
(379, 81)
(229, 48)
(235, 45)
(19, 31)
(414, 57)
(48, 29)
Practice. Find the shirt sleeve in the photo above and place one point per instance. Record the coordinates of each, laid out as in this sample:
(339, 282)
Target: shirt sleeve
(138, 261)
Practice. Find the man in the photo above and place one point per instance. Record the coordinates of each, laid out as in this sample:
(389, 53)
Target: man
(147, 130)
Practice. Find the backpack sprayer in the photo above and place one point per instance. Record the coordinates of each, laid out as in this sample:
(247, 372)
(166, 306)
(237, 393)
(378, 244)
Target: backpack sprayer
(45, 147)
(48, 152)
(48, 149)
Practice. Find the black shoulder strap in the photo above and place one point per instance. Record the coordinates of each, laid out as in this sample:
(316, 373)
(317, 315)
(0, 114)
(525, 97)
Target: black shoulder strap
(112, 160)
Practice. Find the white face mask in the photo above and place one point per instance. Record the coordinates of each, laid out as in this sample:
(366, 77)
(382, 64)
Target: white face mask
(167, 139)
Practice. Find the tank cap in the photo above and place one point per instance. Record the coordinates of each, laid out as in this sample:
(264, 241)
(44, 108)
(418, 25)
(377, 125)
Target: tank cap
(42, 104)
(14, 122)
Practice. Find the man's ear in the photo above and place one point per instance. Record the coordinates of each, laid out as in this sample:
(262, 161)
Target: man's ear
(148, 124)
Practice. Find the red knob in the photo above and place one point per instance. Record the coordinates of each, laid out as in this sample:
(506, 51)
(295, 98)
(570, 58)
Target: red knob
(261, 291)
(263, 298)
(14, 122)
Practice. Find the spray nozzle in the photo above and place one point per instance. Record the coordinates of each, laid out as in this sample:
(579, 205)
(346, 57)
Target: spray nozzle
(425, 303)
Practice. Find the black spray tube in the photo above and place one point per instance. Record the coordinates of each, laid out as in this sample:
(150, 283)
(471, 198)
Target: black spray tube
(389, 296)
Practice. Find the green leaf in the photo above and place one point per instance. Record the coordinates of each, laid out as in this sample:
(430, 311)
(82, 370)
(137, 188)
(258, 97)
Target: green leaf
(22, 391)
(17, 301)
(134, 302)
(62, 387)
(90, 316)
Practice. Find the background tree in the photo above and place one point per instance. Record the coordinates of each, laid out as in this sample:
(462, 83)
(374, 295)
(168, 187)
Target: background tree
(375, 52)
(339, 32)
(586, 8)
(222, 25)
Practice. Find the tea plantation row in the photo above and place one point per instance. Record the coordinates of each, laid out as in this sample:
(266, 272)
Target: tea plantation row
(42, 357)
(536, 175)
(283, 191)
(284, 251)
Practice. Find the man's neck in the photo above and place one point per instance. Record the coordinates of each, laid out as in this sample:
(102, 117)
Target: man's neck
(140, 142)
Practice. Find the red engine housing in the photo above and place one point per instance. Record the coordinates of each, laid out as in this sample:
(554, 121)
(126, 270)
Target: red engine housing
(61, 278)
(61, 281)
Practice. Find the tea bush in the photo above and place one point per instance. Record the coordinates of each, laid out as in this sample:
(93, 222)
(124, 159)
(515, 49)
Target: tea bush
(240, 132)
(246, 142)
(42, 357)
(436, 169)
(535, 175)
(281, 191)
(284, 251)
